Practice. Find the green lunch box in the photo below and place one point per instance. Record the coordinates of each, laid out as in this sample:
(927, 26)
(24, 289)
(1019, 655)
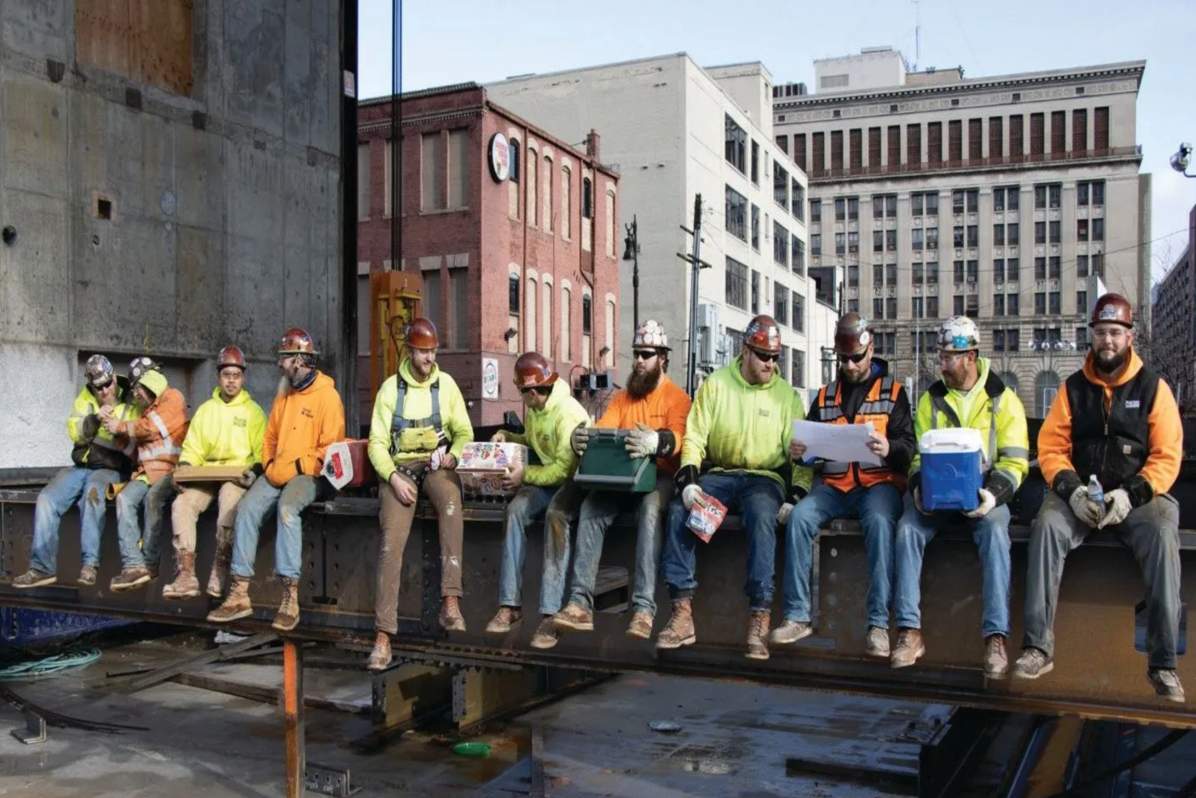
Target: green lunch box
(605, 465)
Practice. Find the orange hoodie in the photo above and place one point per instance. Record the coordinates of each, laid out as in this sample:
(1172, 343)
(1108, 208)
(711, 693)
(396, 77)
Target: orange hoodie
(301, 427)
(665, 408)
(1166, 430)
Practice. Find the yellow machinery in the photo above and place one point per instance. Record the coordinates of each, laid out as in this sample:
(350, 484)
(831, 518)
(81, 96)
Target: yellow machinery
(394, 303)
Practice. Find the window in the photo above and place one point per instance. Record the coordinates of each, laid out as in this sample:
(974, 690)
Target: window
(957, 238)
(780, 245)
(1011, 305)
(891, 274)
(878, 274)
(973, 271)
(755, 291)
(934, 142)
(755, 228)
(799, 368)
(999, 305)
(1011, 234)
(932, 307)
(587, 198)
(1081, 266)
(815, 244)
(973, 200)
(798, 201)
(533, 207)
(1054, 195)
(546, 319)
(932, 238)
(1082, 302)
(1040, 303)
(566, 314)
(1040, 232)
(458, 168)
(878, 207)
(840, 209)
(957, 201)
(755, 162)
(1055, 236)
(853, 306)
(780, 186)
(799, 312)
(840, 243)
(916, 273)
(736, 293)
(973, 310)
(1011, 340)
(958, 270)
(853, 276)
(1090, 193)
(1098, 231)
(736, 213)
(815, 211)
(547, 199)
(998, 340)
(431, 172)
(853, 242)
(431, 297)
(853, 209)
(780, 303)
(998, 271)
(610, 223)
(891, 307)
(878, 240)
(932, 204)
(1053, 271)
(736, 144)
(973, 236)
(891, 240)
(799, 255)
(587, 315)
(1056, 305)
(566, 207)
(363, 182)
(878, 308)
(915, 204)
(917, 235)
(998, 235)
(1098, 263)
(1037, 134)
(957, 309)
(1005, 199)
(513, 159)
(1012, 269)
(917, 305)
(1081, 338)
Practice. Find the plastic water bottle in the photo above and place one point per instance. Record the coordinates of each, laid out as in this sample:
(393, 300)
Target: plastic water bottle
(1096, 493)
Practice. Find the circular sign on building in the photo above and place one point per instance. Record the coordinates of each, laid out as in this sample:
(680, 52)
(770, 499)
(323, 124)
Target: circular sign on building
(500, 157)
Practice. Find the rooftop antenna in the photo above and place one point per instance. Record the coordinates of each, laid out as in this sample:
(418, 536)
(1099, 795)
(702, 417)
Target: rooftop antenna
(917, 36)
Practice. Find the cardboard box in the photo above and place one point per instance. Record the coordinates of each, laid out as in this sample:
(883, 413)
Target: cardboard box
(483, 466)
(184, 474)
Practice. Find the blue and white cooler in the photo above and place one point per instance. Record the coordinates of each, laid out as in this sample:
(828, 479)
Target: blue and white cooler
(952, 469)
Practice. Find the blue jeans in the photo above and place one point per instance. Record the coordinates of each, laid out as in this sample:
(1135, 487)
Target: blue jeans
(756, 499)
(598, 512)
(878, 509)
(70, 485)
(558, 506)
(138, 550)
(991, 534)
(258, 502)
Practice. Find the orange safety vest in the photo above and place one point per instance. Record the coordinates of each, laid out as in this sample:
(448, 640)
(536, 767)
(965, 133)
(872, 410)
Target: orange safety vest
(876, 408)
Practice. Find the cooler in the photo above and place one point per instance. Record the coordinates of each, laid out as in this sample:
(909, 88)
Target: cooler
(605, 465)
(951, 470)
(347, 464)
(483, 465)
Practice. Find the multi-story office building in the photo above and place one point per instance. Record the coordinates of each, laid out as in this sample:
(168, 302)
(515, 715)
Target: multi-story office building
(1001, 198)
(1171, 345)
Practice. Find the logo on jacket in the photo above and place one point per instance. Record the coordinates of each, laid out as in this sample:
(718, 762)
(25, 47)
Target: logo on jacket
(765, 412)
(306, 412)
(240, 422)
(1133, 404)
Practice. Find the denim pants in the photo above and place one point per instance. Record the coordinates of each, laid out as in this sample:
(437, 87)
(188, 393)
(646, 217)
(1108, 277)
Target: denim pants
(991, 534)
(140, 549)
(878, 509)
(754, 497)
(558, 506)
(598, 512)
(86, 486)
(257, 503)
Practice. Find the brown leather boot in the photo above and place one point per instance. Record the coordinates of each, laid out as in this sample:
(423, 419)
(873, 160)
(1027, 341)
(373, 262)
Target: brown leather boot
(220, 566)
(450, 615)
(996, 660)
(909, 648)
(641, 625)
(680, 629)
(287, 617)
(185, 585)
(237, 604)
(757, 636)
(380, 657)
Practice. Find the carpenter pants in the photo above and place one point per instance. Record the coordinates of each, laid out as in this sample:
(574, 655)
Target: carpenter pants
(190, 504)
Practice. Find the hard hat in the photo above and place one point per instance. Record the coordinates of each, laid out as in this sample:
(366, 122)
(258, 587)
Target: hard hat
(650, 334)
(1113, 308)
(853, 333)
(231, 356)
(98, 371)
(763, 335)
(297, 342)
(421, 334)
(139, 368)
(532, 370)
(959, 334)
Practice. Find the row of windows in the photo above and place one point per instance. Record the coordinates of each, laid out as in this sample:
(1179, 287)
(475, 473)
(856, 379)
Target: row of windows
(529, 311)
(787, 250)
(742, 290)
(1003, 270)
(787, 191)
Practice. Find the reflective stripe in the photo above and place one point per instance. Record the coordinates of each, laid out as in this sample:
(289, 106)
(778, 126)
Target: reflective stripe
(1013, 451)
(834, 469)
(157, 419)
(830, 413)
(167, 449)
(107, 443)
(883, 408)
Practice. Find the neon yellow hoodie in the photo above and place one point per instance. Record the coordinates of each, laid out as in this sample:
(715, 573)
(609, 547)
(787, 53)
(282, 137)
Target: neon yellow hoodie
(225, 433)
(94, 445)
(547, 433)
(417, 405)
(743, 427)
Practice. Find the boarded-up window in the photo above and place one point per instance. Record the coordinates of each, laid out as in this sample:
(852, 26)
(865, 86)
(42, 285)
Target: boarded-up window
(837, 149)
(894, 145)
(1016, 145)
(996, 137)
(610, 224)
(363, 182)
(431, 172)
(1058, 131)
(874, 146)
(1037, 134)
(566, 350)
(548, 175)
(610, 333)
(388, 177)
(975, 139)
(934, 142)
(533, 209)
(149, 42)
(430, 297)
(459, 307)
(1079, 129)
(566, 194)
(955, 140)
(855, 143)
(913, 144)
(799, 151)
(1101, 128)
(546, 339)
(819, 164)
(458, 168)
(529, 322)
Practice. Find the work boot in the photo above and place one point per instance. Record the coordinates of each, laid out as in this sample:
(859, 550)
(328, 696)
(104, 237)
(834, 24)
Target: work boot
(546, 635)
(504, 620)
(680, 629)
(757, 636)
(1032, 663)
(996, 661)
(34, 578)
(130, 578)
(224, 558)
(287, 617)
(641, 625)
(909, 648)
(237, 605)
(574, 618)
(185, 585)
(450, 615)
(380, 657)
(1167, 684)
(878, 642)
(790, 632)
(87, 575)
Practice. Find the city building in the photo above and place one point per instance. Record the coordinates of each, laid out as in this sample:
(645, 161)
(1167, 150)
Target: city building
(511, 230)
(1171, 345)
(1002, 198)
(675, 130)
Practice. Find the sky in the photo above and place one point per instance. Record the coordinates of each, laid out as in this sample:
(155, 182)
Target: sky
(487, 40)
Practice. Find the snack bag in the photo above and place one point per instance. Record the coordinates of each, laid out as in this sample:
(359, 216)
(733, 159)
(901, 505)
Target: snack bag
(706, 517)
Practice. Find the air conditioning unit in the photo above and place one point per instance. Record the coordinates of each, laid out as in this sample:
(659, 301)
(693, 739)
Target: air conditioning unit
(727, 349)
(707, 316)
(707, 345)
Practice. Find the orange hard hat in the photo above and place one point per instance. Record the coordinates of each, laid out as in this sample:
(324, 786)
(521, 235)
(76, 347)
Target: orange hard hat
(231, 356)
(421, 334)
(763, 335)
(296, 341)
(532, 370)
(1112, 308)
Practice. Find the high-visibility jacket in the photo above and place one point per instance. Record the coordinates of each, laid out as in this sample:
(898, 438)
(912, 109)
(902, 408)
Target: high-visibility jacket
(886, 408)
(225, 433)
(159, 434)
(664, 409)
(434, 409)
(992, 408)
(1126, 431)
(548, 432)
(301, 427)
(94, 446)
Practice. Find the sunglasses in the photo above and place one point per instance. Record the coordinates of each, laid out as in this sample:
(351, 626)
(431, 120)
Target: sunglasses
(644, 354)
(764, 357)
(542, 391)
(856, 358)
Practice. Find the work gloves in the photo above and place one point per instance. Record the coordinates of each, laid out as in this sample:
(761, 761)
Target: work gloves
(580, 439)
(987, 502)
(643, 441)
(1088, 511)
(689, 495)
(1119, 507)
(250, 475)
(784, 513)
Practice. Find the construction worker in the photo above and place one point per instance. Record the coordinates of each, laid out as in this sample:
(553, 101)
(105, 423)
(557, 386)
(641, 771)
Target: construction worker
(159, 434)
(1115, 420)
(653, 409)
(418, 432)
(100, 459)
(544, 491)
(741, 422)
(864, 393)
(969, 395)
(226, 430)
(307, 417)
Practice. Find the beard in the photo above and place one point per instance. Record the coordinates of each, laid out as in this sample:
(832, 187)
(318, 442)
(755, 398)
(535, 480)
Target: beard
(1111, 363)
(640, 385)
(284, 387)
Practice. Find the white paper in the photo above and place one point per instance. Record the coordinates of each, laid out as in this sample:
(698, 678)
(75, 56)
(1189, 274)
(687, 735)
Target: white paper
(845, 443)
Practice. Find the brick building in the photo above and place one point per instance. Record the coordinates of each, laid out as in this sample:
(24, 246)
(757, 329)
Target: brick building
(512, 231)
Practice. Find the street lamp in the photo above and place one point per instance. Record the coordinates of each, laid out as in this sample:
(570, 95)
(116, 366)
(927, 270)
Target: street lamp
(631, 252)
(1179, 161)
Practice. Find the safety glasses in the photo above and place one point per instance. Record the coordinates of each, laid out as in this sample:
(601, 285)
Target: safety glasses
(856, 358)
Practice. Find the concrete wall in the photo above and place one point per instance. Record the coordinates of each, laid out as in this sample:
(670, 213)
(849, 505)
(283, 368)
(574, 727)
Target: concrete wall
(225, 206)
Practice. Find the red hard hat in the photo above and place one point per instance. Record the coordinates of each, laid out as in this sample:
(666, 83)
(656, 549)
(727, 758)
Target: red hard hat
(532, 370)
(763, 335)
(297, 342)
(1113, 308)
(231, 356)
(853, 333)
(421, 334)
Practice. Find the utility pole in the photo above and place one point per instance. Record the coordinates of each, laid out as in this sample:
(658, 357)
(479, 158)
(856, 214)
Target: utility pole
(632, 253)
(696, 265)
